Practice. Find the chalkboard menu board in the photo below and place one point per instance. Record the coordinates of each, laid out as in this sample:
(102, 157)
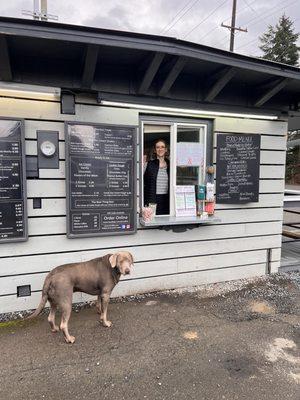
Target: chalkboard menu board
(13, 207)
(237, 177)
(101, 179)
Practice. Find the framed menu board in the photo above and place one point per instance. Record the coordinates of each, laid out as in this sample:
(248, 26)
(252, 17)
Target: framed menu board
(101, 179)
(238, 163)
(13, 207)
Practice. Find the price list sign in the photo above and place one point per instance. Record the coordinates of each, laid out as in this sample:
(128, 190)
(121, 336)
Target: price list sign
(238, 161)
(101, 179)
(13, 218)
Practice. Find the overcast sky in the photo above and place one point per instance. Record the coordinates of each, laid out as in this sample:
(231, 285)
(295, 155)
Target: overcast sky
(193, 20)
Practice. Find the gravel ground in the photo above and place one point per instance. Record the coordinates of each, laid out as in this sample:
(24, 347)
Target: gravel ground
(230, 341)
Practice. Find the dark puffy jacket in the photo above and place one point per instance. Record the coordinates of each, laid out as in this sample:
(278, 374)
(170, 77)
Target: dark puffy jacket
(150, 177)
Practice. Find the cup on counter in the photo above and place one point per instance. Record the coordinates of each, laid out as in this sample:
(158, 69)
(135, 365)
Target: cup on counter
(153, 207)
(147, 214)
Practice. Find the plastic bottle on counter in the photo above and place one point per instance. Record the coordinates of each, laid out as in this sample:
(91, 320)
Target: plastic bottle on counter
(210, 191)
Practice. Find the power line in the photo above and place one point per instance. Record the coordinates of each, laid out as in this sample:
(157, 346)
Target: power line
(181, 16)
(249, 6)
(179, 12)
(209, 32)
(268, 12)
(204, 19)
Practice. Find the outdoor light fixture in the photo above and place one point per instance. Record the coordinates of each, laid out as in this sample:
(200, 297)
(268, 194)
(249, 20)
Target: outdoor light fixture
(29, 91)
(67, 103)
(186, 110)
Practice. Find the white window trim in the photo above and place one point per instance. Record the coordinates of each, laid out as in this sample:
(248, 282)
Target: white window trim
(173, 156)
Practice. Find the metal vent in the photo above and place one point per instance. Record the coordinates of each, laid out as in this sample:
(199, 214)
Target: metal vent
(23, 291)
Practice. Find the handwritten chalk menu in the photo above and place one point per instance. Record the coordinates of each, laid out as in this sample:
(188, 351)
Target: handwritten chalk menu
(13, 218)
(237, 177)
(100, 179)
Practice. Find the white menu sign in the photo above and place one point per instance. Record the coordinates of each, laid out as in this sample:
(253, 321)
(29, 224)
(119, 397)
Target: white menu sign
(189, 154)
(185, 201)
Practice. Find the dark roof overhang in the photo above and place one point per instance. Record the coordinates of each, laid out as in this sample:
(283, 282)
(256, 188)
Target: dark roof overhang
(143, 68)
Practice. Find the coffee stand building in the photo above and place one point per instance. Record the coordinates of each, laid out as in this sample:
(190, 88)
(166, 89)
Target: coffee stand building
(80, 108)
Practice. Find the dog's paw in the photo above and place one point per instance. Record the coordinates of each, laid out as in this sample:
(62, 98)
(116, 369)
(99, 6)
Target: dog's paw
(70, 339)
(107, 324)
(55, 329)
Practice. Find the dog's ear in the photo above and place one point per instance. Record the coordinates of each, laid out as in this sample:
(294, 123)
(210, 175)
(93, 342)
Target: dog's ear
(113, 260)
(131, 257)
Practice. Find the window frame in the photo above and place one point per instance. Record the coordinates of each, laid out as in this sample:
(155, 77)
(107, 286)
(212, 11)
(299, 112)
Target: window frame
(173, 123)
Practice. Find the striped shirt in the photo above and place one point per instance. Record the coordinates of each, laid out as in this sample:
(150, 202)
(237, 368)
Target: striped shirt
(162, 181)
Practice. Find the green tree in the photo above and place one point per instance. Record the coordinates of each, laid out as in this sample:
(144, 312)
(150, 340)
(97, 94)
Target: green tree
(279, 43)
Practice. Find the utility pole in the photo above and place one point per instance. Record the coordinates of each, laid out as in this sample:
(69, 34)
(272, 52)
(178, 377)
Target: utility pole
(232, 27)
(39, 12)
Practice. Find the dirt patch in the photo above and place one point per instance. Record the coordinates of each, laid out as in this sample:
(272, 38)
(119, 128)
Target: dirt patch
(285, 357)
(295, 377)
(261, 307)
(242, 367)
(151, 303)
(281, 349)
(191, 335)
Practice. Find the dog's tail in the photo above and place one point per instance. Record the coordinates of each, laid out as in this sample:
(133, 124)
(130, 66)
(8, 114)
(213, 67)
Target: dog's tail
(43, 299)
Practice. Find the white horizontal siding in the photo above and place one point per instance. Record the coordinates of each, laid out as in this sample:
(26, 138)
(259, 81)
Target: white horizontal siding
(31, 127)
(46, 110)
(271, 172)
(243, 125)
(46, 188)
(50, 206)
(59, 173)
(271, 186)
(172, 250)
(55, 244)
(49, 225)
(272, 157)
(152, 268)
(45, 262)
(13, 303)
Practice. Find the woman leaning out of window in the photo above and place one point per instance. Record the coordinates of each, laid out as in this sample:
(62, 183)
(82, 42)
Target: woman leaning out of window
(156, 179)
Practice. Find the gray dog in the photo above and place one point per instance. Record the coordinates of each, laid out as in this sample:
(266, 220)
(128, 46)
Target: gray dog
(96, 277)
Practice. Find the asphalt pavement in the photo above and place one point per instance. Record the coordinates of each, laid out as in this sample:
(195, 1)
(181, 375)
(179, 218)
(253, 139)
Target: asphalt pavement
(242, 343)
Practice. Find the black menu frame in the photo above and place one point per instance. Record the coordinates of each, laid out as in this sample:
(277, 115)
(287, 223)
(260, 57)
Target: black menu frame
(70, 211)
(227, 187)
(23, 182)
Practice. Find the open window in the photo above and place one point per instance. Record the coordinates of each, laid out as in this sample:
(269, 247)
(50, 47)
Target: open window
(188, 154)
